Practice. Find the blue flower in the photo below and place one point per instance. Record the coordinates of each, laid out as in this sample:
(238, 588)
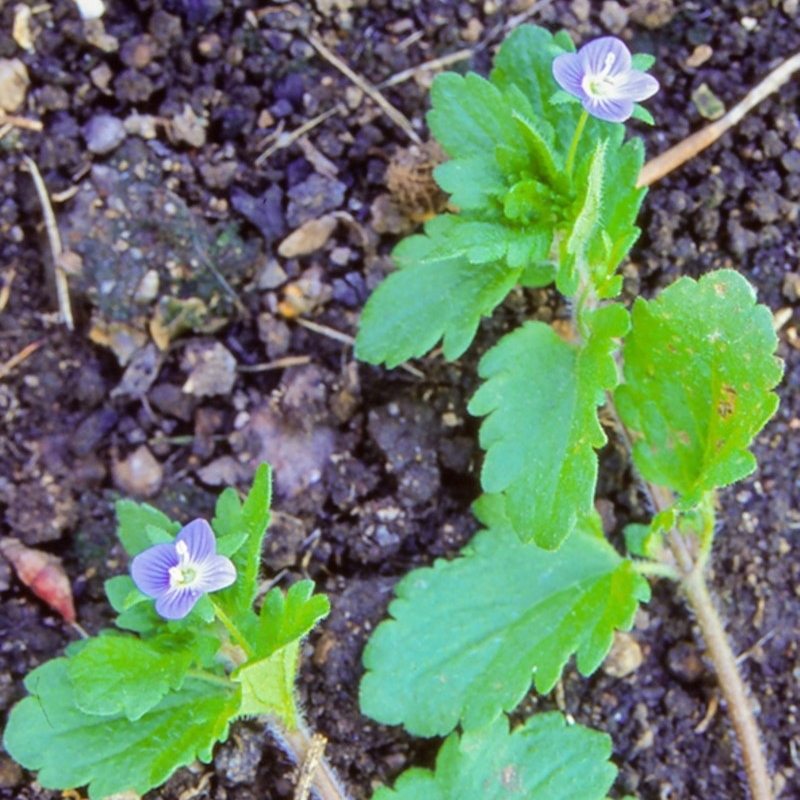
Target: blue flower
(179, 573)
(601, 76)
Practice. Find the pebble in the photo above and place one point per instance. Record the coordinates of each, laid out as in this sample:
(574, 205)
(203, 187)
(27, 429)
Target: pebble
(187, 127)
(625, 656)
(133, 87)
(308, 238)
(684, 662)
(138, 475)
(218, 176)
(237, 760)
(13, 84)
(614, 16)
(312, 198)
(211, 367)
(138, 52)
(10, 772)
(104, 134)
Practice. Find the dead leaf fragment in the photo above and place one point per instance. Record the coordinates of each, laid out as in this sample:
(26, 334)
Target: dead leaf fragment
(43, 574)
(308, 238)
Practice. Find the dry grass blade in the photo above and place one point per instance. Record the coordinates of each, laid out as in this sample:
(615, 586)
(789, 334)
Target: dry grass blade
(368, 89)
(16, 360)
(676, 156)
(54, 240)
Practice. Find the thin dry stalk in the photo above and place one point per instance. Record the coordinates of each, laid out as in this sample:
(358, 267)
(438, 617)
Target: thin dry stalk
(676, 156)
(20, 122)
(17, 359)
(394, 115)
(54, 240)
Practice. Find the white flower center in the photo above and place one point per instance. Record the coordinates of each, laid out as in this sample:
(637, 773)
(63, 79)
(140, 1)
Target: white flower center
(184, 573)
(601, 84)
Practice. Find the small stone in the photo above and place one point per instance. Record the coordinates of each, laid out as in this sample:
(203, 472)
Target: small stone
(138, 52)
(684, 662)
(14, 83)
(10, 772)
(308, 238)
(653, 14)
(314, 197)
(708, 105)
(148, 288)
(218, 176)
(581, 9)
(133, 87)
(237, 760)
(103, 134)
(625, 656)
(614, 16)
(699, 56)
(139, 475)
(271, 275)
(189, 128)
(211, 367)
(210, 46)
(275, 335)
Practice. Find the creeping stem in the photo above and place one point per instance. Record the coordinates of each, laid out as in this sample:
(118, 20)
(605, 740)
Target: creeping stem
(692, 580)
(573, 148)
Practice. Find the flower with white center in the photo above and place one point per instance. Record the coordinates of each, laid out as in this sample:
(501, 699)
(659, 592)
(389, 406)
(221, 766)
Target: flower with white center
(602, 77)
(179, 573)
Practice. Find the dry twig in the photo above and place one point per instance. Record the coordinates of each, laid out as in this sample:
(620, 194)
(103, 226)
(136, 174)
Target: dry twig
(16, 360)
(676, 156)
(394, 115)
(54, 240)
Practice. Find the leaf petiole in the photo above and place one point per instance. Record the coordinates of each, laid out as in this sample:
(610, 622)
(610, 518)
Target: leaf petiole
(232, 629)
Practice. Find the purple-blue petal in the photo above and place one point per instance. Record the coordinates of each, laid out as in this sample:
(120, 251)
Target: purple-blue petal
(199, 538)
(594, 54)
(177, 603)
(639, 86)
(215, 573)
(150, 569)
(609, 109)
(568, 72)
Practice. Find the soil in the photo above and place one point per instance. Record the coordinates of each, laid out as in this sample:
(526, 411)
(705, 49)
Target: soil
(168, 150)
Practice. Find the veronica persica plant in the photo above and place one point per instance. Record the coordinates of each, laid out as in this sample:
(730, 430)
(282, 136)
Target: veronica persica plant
(124, 709)
(544, 190)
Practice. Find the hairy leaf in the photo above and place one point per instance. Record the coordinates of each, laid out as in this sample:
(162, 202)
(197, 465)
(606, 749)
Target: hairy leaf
(430, 298)
(284, 619)
(115, 673)
(699, 367)
(48, 733)
(544, 759)
(141, 526)
(541, 396)
(251, 520)
(466, 636)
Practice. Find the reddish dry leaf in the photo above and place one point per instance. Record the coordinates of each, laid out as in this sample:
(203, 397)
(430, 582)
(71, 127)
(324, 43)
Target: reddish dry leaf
(43, 574)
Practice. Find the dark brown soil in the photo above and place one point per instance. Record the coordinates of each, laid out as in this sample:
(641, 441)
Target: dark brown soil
(375, 470)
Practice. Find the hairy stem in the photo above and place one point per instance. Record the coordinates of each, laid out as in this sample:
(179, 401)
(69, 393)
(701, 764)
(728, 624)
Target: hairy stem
(573, 148)
(232, 629)
(722, 657)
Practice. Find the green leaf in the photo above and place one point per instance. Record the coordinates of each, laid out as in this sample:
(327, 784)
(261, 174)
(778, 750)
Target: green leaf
(544, 759)
(227, 523)
(48, 733)
(429, 299)
(268, 685)
(699, 367)
(466, 635)
(541, 395)
(642, 61)
(470, 117)
(140, 526)
(251, 521)
(117, 673)
(601, 227)
(284, 619)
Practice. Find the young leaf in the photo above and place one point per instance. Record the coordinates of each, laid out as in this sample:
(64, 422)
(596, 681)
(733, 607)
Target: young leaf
(466, 635)
(541, 396)
(285, 619)
(268, 685)
(141, 526)
(115, 673)
(48, 733)
(544, 759)
(429, 299)
(699, 367)
(246, 555)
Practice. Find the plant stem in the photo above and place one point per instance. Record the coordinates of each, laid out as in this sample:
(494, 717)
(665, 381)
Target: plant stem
(232, 629)
(300, 744)
(722, 657)
(573, 148)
